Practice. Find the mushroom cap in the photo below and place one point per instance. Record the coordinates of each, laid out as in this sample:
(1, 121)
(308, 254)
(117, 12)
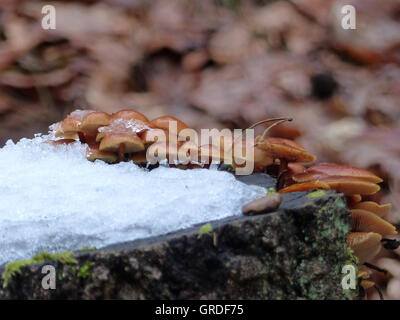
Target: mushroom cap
(129, 114)
(164, 123)
(379, 210)
(295, 167)
(280, 148)
(69, 125)
(333, 169)
(112, 142)
(122, 126)
(364, 272)
(366, 221)
(350, 186)
(305, 186)
(92, 121)
(366, 284)
(93, 153)
(155, 135)
(366, 245)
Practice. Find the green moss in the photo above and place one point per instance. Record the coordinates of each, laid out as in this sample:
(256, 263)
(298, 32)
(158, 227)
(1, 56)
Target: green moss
(271, 191)
(86, 270)
(87, 248)
(205, 229)
(14, 268)
(316, 194)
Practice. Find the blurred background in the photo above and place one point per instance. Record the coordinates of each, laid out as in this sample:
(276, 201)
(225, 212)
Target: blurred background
(217, 64)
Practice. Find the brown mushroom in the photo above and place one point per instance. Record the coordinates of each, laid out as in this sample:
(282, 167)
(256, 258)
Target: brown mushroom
(129, 114)
(91, 122)
(121, 143)
(122, 126)
(379, 210)
(93, 153)
(366, 245)
(305, 186)
(365, 221)
(333, 169)
(168, 123)
(279, 148)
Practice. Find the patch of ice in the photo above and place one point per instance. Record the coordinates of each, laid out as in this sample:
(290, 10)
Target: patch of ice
(53, 199)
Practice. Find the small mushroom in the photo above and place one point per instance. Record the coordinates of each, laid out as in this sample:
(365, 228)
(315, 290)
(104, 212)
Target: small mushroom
(91, 122)
(269, 203)
(279, 148)
(121, 143)
(122, 126)
(366, 245)
(69, 128)
(305, 186)
(333, 169)
(167, 123)
(129, 114)
(379, 210)
(93, 153)
(350, 186)
(366, 221)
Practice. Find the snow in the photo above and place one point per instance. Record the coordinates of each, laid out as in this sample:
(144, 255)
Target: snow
(52, 199)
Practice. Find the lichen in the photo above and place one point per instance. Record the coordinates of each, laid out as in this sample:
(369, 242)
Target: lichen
(316, 194)
(86, 270)
(205, 229)
(14, 268)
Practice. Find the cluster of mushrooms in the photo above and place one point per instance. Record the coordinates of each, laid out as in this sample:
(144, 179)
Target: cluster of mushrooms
(368, 227)
(127, 135)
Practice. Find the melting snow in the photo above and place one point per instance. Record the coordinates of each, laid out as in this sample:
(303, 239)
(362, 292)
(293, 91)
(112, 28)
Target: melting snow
(53, 199)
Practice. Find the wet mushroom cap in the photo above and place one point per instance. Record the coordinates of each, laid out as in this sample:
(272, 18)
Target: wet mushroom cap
(164, 123)
(366, 245)
(93, 153)
(285, 150)
(122, 126)
(350, 186)
(155, 135)
(305, 186)
(366, 221)
(112, 142)
(91, 122)
(333, 169)
(379, 209)
(128, 114)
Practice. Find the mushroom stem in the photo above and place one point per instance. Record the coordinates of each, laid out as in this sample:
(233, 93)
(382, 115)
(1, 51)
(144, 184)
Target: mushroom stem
(271, 126)
(379, 292)
(283, 168)
(374, 267)
(269, 120)
(81, 137)
(121, 152)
